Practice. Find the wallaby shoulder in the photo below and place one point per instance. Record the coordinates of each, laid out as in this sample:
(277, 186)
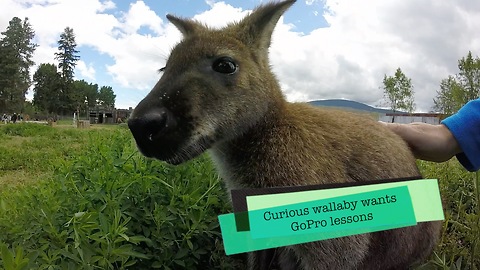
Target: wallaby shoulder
(304, 144)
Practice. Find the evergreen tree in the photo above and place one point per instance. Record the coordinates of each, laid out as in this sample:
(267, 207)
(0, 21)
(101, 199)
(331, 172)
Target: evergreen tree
(16, 51)
(67, 57)
(48, 84)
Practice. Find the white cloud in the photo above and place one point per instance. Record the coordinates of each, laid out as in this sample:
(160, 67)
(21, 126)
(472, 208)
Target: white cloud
(140, 15)
(137, 59)
(220, 14)
(87, 72)
(211, 3)
(106, 5)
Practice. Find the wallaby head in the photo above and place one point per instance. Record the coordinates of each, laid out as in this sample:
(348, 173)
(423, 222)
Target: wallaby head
(216, 84)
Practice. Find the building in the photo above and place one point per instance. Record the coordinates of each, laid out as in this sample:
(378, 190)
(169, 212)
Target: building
(406, 118)
(103, 115)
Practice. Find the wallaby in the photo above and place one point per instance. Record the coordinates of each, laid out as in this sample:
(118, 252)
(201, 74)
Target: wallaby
(218, 93)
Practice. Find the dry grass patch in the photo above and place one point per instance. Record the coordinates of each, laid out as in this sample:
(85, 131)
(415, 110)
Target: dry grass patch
(21, 178)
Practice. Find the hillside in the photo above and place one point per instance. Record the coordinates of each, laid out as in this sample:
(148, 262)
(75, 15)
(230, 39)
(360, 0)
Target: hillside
(348, 105)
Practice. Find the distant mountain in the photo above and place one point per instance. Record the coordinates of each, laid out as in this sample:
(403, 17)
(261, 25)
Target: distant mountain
(348, 105)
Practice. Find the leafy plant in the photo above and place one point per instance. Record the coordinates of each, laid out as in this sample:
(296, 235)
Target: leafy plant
(108, 207)
(15, 260)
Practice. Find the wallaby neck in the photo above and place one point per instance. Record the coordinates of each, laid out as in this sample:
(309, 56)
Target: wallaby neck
(240, 159)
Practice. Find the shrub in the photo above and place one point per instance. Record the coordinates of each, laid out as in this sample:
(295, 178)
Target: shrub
(110, 208)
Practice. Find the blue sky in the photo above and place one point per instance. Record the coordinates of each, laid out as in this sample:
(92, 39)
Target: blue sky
(320, 49)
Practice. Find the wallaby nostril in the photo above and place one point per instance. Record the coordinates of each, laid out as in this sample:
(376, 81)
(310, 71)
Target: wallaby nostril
(155, 125)
(152, 125)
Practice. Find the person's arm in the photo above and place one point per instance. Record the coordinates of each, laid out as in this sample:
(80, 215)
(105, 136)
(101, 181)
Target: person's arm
(465, 127)
(428, 142)
(457, 135)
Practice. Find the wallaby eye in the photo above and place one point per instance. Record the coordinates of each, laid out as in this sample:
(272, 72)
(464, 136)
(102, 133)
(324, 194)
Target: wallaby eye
(225, 65)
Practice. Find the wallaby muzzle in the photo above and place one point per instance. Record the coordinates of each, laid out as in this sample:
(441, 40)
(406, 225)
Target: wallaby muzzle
(150, 128)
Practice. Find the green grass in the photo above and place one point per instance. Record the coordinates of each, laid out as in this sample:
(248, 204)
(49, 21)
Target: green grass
(459, 247)
(86, 199)
(29, 152)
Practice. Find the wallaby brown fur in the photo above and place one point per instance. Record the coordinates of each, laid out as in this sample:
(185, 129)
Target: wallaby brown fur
(218, 93)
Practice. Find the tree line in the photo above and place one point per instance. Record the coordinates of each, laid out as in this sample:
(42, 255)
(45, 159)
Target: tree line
(55, 89)
(455, 90)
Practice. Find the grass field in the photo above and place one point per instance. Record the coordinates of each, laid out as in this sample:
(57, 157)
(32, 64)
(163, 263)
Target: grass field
(86, 199)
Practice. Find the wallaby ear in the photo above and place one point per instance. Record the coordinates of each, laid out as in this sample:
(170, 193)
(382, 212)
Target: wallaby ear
(256, 29)
(187, 27)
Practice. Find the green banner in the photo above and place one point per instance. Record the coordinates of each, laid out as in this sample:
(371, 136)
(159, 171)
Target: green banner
(344, 213)
(424, 195)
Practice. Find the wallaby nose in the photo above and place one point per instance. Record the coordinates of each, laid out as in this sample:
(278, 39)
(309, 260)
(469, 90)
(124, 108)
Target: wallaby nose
(151, 126)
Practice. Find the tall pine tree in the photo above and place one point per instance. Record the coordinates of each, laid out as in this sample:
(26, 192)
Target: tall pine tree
(16, 51)
(67, 57)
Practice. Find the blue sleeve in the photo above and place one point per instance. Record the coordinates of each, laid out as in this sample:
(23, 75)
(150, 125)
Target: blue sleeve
(465, 127)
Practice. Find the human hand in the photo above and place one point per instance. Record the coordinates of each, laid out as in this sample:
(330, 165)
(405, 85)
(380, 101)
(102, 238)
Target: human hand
(428, 142)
